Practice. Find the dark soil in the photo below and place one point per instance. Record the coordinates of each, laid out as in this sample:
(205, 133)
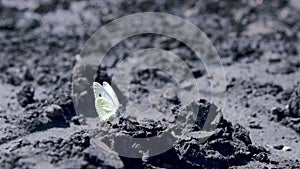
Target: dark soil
(258, 42)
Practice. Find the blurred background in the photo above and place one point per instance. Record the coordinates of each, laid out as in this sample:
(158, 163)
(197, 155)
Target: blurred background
(257, 41)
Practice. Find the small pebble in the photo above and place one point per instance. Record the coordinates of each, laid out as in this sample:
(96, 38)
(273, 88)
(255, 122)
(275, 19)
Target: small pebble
(278, 147)
(53, 111)
(25, 96)
(286, 148)
(15, 80)
(282, 147)
(28, 76)
(255, 125)
(253, 114)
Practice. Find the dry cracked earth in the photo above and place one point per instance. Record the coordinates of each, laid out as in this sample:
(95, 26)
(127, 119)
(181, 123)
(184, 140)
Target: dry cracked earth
(258, 44)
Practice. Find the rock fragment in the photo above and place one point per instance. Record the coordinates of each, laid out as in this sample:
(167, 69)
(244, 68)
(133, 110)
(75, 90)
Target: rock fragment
(54, 111)
(25, 96)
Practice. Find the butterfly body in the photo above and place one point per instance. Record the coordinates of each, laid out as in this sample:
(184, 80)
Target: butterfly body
(107, 104)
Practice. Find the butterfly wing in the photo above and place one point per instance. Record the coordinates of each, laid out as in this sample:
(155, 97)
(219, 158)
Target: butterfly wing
(106, 101)
(105, 109)
(96, 88)
(105, 91)
(111, 93)
(100, 91)
(109, 117)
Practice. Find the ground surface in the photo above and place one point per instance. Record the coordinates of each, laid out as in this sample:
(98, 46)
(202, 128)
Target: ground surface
(258, 43)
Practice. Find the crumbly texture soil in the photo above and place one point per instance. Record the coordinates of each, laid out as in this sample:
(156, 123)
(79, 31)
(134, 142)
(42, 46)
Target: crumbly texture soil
(257, 41)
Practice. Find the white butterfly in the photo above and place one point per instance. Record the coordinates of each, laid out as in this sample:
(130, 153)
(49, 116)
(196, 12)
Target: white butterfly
(106, 102)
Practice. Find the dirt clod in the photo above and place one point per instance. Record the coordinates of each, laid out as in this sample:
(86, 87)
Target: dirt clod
(258, 44)
(25, 96)
(54, 111)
